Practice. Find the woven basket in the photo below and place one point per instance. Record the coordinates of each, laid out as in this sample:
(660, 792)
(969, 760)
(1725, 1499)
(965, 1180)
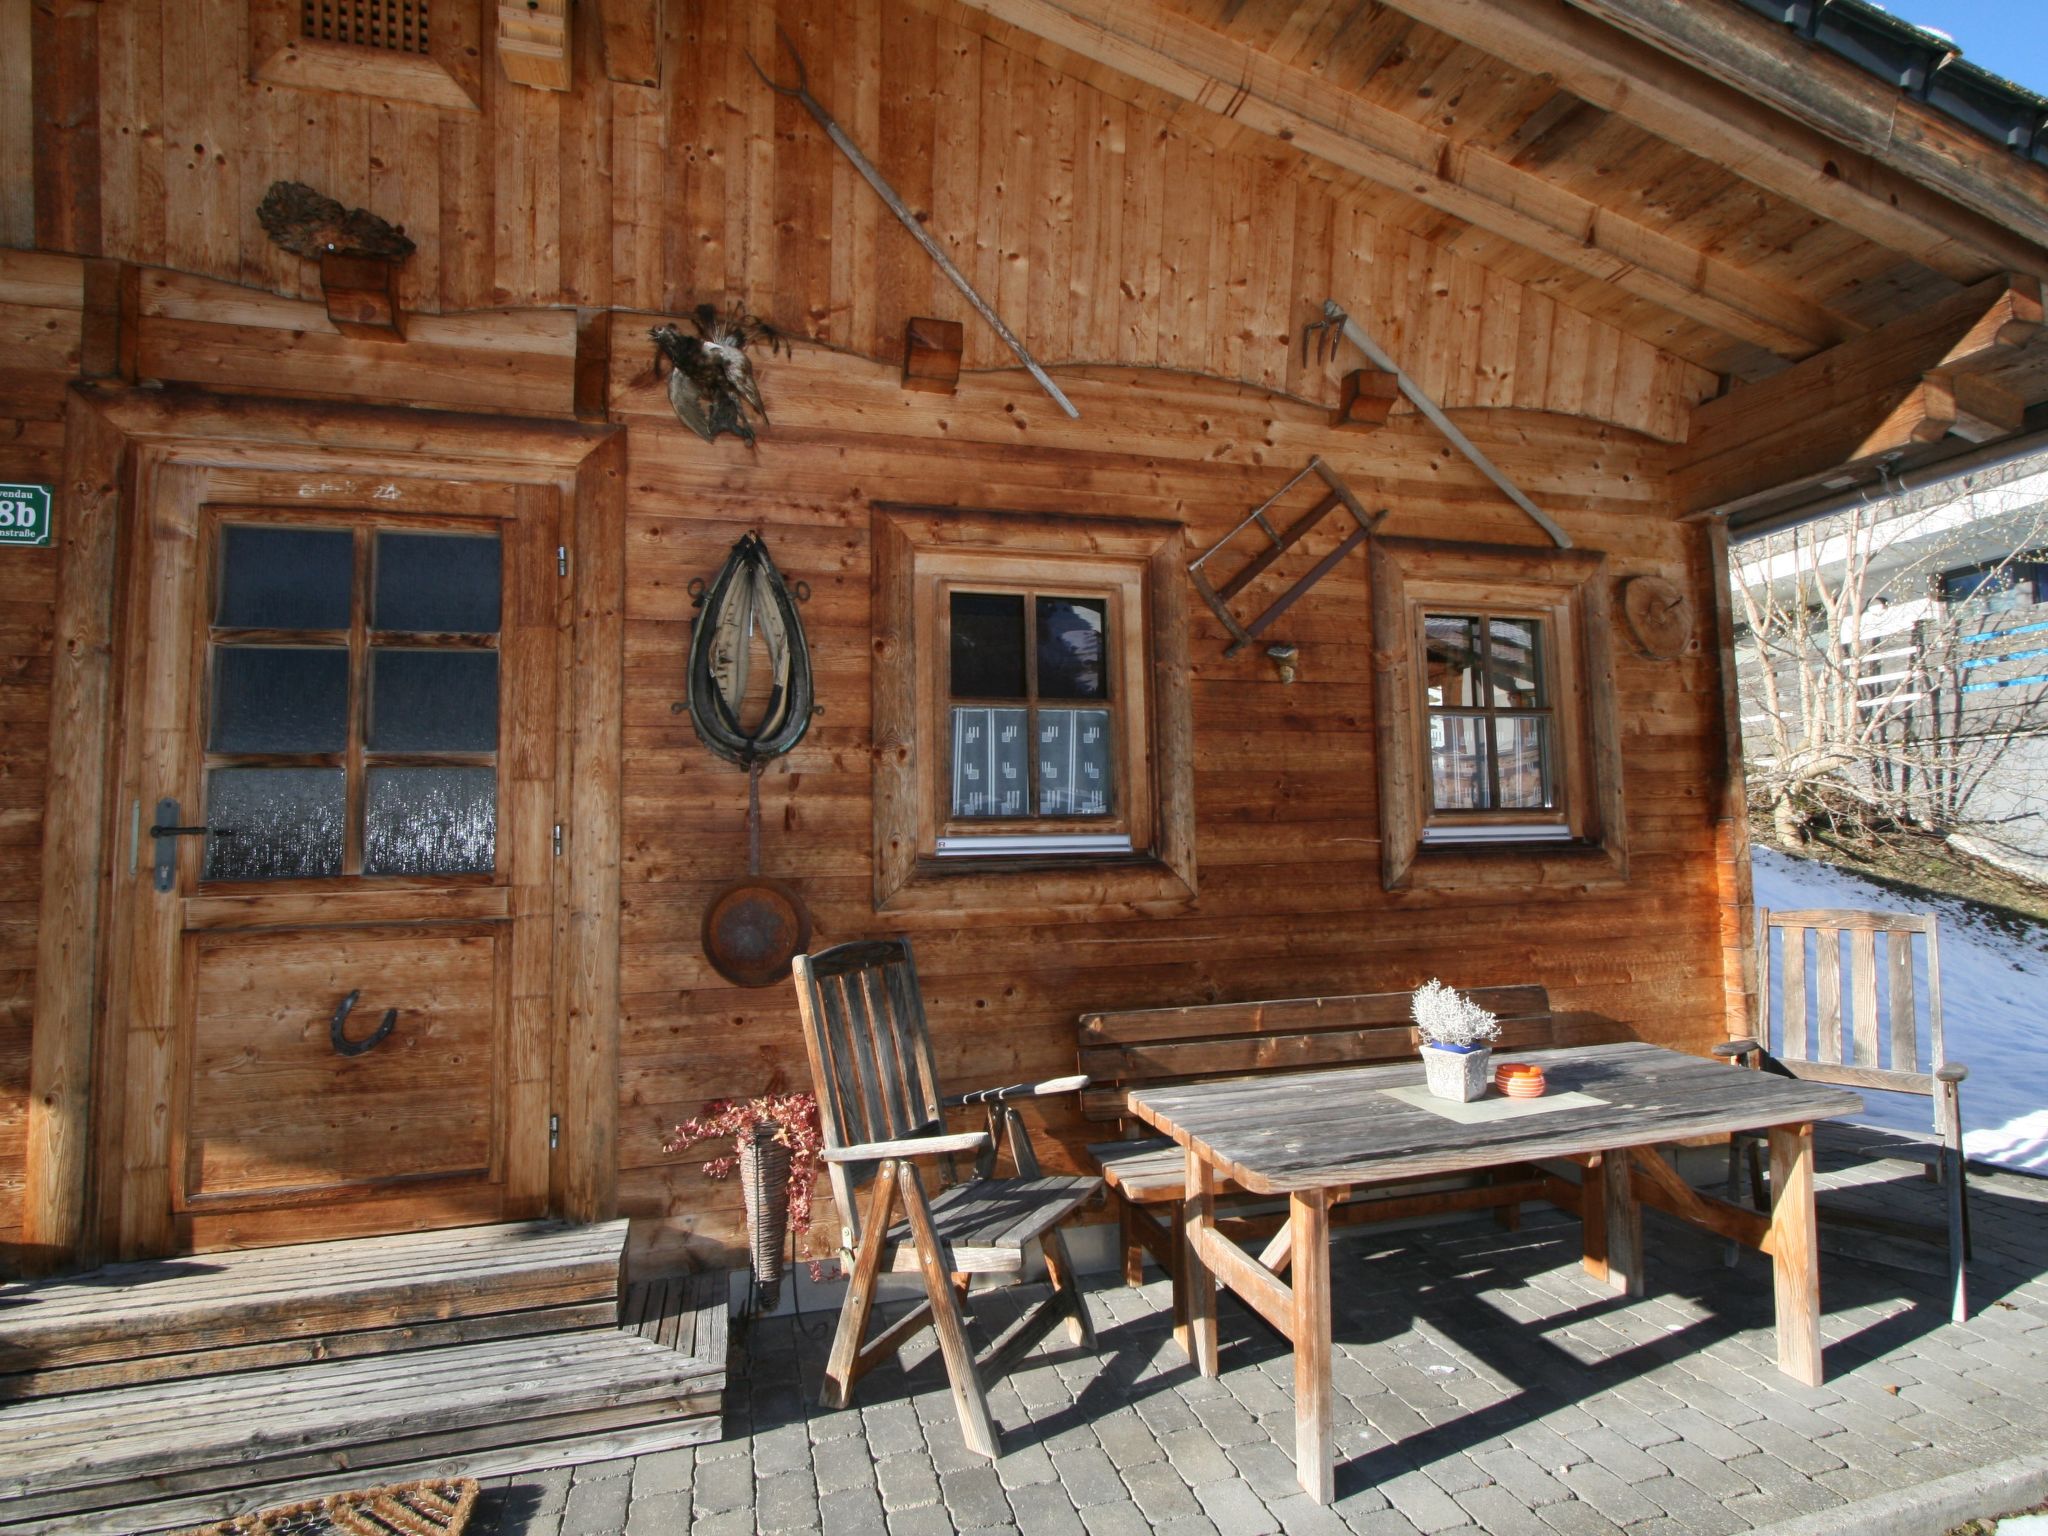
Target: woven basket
(764, 1188)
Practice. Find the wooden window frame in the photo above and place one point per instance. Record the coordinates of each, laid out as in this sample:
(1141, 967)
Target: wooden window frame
(448, 74)
(921, 554)
(1568, 589)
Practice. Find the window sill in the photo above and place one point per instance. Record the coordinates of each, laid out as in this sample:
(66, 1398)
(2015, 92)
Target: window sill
(1548, 864)
(1017, 884)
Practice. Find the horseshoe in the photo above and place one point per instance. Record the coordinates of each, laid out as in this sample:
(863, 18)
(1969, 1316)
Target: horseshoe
(337, 1028)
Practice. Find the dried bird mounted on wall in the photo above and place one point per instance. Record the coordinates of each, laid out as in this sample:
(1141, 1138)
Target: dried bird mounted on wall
(710, 382)
(310, 225)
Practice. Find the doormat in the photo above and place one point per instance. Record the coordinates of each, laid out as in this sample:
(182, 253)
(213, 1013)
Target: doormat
(431, 1507)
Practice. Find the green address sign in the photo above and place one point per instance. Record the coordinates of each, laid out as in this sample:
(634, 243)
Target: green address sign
(25, 515)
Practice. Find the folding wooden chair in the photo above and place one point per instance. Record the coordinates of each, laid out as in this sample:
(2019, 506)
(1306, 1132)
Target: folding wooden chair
(1830, 1044)
(879, 1104)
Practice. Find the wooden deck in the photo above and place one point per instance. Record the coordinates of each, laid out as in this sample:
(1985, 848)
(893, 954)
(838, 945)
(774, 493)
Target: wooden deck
(148, 1395)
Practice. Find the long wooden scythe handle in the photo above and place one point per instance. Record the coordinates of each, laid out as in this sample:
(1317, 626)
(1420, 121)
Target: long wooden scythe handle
(801, 91)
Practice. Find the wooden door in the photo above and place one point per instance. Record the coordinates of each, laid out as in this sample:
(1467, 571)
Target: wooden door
(330, 988)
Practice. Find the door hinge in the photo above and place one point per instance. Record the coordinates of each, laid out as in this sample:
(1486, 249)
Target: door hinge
(554, 1132)
(561, 559)
(558, 839)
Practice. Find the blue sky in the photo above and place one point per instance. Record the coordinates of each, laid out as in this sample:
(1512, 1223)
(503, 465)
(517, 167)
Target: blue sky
(2007, 37)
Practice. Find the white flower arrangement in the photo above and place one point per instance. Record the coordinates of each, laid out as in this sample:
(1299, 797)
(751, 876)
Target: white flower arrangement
(1444, 1016)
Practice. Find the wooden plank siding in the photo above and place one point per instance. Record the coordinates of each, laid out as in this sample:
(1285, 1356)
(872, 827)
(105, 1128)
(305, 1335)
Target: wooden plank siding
(1159, 259)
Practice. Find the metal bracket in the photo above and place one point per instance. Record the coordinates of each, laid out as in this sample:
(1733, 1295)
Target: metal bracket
(166, 832)
(1218, 598)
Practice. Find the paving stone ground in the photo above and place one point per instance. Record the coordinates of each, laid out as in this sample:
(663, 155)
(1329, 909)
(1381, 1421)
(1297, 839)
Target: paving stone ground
(1483, 1381)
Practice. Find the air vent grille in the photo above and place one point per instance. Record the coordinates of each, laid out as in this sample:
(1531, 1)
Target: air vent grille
(389, 26)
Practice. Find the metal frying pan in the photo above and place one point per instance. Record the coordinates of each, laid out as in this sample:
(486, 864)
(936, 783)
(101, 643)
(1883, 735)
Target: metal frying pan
(753, 927)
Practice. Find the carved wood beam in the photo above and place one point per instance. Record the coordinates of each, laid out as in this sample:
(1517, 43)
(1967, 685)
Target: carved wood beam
(1619, 73)
(1763, 60)
(1969, 365)
(1164, 49)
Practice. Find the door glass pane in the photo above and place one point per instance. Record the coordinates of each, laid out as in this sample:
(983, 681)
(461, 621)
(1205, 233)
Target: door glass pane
(430, 821)
(274, 823)
(988, 645)
(1522, 743)
(275, 698)
(1452, 660)
(436, 583)
(991, 762)
(1457, 762)
(1070, 647)
(433, 701)
(1073, 762)
(284, 578)
(1517, 663)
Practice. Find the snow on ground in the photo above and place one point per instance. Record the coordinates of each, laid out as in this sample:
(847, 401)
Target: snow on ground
(1994, 1010)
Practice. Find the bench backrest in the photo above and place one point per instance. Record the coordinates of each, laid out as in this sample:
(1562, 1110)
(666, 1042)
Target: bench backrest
(1150, 1046)
(1847, 1000)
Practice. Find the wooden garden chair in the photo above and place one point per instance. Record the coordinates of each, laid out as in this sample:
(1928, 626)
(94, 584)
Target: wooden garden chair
(882, 1115)
(1829, 1042)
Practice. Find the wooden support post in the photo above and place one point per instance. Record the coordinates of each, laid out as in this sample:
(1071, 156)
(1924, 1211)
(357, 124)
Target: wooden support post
(1198, 1335)
(1624, 1227)
(1365, 398)
(110, 328)
(362, 296)
(590, 390)
(1593, 1218)
(931, 354)
(1314, 1450)
(1795, 1255)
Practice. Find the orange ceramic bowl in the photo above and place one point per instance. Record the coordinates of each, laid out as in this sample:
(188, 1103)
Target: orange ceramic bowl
(1519, 1079)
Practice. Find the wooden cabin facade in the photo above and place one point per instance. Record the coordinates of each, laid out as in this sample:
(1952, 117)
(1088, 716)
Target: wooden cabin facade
(1653, 260)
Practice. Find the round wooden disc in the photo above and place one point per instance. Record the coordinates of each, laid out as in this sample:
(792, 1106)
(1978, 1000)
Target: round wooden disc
(753, 928)
(1659, 616)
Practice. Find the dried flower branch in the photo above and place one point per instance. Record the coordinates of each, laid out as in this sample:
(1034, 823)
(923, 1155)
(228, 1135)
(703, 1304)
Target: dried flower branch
(795, 1118)
(1444, 1016)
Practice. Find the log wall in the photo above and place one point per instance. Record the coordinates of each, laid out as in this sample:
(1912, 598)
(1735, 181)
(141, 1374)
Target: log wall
(1167, 278)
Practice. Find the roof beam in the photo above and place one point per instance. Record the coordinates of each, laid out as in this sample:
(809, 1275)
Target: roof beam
(1762, 59)
(1675, 101)
(1164, 49)
(1887, 396)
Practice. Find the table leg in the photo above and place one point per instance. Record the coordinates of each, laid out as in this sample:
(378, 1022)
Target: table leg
(1200, 1284)
(1624, 1226)
(1795, 1258)
(1308, 1217)
(1593, 1217)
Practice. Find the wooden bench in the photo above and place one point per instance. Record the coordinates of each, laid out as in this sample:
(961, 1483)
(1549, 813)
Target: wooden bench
(1122, 1052)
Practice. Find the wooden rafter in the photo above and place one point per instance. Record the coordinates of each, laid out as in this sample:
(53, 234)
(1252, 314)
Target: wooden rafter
(1895, 391)
(1164, 49)
(1622, 74)
(1763, 60)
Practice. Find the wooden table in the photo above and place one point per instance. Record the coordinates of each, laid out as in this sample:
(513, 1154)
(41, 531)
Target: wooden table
(1312, 1136)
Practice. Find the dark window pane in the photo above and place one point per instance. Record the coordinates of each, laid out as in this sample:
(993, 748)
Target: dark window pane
(1452, 664)
(1074, 762)
(988, 645)
(274, 698)
(1517, 663)
(1071, 632)
(430, 821)
(437, 583)
(284, 578)
(1522, 751)
(1457, 763)
(274, 823)
(991, 762)
(433, 701)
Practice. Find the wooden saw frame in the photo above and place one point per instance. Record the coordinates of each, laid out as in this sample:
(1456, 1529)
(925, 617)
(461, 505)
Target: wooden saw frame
(1338, 494)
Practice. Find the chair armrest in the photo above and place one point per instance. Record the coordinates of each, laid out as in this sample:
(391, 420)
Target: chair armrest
(1010, 1091)
(1951, 1072)
(914, 1146)
(1735, 1050)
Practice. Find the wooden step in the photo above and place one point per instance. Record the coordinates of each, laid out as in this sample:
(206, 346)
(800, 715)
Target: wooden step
(267, 1307)
(179, 1451)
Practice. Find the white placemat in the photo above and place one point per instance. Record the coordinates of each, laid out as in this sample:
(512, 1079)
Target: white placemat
(1495, 1106)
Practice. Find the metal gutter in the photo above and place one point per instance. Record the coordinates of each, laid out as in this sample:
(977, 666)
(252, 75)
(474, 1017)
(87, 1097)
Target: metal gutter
(1985, 460)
